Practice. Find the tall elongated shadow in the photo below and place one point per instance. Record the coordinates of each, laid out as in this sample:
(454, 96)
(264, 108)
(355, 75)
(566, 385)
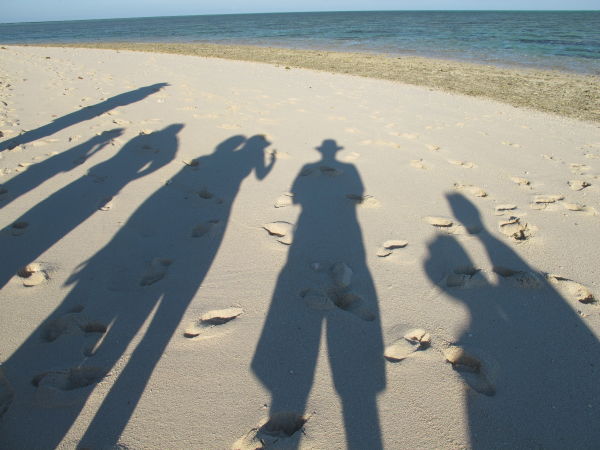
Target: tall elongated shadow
(50, 220)
(537, 384)
(63, 162)
(315, 289)
(82, 115)
(144, 278)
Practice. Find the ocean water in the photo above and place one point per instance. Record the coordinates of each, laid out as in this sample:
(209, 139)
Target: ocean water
(563, 40)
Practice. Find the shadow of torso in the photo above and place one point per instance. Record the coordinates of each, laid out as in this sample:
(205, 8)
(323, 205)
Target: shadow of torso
(327, 231)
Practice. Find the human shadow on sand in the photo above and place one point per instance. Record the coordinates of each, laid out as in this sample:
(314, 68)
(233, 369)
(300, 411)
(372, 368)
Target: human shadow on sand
(58, 214)
(534, 380)
(139, 284)
(62, 162)
(324, 283)
(82, 115)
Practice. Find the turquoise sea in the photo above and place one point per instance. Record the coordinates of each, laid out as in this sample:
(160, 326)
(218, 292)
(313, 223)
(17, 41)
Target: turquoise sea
(564, 40)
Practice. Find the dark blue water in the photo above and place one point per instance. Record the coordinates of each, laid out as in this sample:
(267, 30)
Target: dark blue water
(545, 39)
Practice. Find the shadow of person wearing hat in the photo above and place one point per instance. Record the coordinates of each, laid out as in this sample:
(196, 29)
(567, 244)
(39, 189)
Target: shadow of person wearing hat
(325, 282)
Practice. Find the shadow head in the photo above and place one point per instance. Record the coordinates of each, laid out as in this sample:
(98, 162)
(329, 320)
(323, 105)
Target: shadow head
(329, 148)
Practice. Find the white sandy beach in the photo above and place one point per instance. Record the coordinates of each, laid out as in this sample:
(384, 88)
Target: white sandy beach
(137, 188)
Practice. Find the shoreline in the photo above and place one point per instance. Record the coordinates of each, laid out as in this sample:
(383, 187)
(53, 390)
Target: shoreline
(562, 93)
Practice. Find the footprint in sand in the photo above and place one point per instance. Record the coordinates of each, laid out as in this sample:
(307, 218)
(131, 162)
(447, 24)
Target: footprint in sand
(466, 277)
(205, 194)
(580, 207)
(75, 323)
(549, 157)
(284, 200)
(516, 229)
(578, 185)
(511, 144)
(18, 228)
(448, 226)
(412, 342)
(212, 319)
(338, 295)
(380, 143)
(33, 274)
(60, 387)
(439, 222)
(317, 299)
(273, 431)
(204, 228)
(284, 231)
(544, 201)
(350, 302)
(464, 164)
(156, 272)
(520, 181)
(471, 369)
(473, 190)
(579, 169)
(388, 247)
(365, 201)
(432, 147)
(106, 204)
(418, 164)
(519, 278)
(500, 210)
(572, 289)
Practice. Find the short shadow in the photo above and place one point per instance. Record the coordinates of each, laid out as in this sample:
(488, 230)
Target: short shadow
(536, 385)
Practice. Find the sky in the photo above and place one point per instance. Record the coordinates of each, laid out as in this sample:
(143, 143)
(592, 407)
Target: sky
(43, 10)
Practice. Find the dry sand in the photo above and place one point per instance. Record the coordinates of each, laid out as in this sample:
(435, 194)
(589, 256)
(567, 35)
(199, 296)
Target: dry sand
(212, 254)
(565, 94)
